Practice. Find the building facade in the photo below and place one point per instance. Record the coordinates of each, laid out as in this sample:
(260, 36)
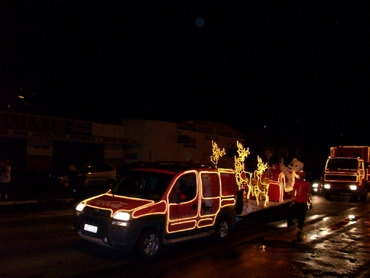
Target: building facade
(189, 141)
(37, 144)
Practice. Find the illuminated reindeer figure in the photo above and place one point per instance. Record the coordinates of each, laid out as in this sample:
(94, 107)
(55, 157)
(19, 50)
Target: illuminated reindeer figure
(243, 178)
(217, 153)
(260, 185)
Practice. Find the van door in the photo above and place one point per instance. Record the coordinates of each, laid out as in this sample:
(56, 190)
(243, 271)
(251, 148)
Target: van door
(210, 198)
(183, 204)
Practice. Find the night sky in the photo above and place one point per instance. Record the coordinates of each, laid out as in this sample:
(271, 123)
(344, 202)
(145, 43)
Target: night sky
(292, 70)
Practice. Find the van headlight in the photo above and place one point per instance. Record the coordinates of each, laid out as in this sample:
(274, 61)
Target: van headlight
(80, 207)
(353, 187)
(124, 216)
(327, 186)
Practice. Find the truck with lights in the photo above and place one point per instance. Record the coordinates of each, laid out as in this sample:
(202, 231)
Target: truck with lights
(163, 203)
(347, 172)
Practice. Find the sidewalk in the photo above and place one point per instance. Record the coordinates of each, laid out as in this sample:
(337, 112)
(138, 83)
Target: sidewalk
(34, 195)
(34, 201)
(52, 194)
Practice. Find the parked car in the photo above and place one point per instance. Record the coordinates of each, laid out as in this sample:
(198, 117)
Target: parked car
(99, 174)
(55, 177)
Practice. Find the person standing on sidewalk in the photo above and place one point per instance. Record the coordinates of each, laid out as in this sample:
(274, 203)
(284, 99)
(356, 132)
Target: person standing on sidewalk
(301, 192)
(77, 183)
(5, 177)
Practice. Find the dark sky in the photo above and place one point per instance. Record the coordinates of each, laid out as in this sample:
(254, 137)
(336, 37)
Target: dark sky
(300, 68)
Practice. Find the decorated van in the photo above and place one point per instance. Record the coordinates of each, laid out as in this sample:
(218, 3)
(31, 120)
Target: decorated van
(160, 205)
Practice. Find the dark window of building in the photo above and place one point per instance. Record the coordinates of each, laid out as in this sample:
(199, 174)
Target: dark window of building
(77, 153)
(130, 156)
(184, 139)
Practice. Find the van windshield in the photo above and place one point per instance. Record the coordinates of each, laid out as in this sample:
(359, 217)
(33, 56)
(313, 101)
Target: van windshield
(143, 185)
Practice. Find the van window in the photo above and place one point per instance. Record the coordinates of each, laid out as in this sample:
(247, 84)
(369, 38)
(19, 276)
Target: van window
(145, 185)
(184, 189)
(229, 185)
(210, 185)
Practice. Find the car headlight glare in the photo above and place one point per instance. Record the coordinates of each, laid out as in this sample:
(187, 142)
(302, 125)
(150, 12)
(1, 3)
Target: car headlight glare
(353, 187)
(327, 186)
(315, 185)
(125, 216)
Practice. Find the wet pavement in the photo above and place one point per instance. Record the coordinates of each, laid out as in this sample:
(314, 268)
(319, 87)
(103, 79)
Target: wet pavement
(330, 246)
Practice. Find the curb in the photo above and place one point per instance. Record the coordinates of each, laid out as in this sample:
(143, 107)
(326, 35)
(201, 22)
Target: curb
(27, 202)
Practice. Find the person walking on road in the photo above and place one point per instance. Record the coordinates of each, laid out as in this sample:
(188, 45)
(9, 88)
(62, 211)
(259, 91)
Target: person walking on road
(300, 194)
(5, 177)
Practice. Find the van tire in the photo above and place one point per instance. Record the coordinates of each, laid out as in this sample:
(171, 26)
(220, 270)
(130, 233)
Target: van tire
(150, 244)
(223, 228)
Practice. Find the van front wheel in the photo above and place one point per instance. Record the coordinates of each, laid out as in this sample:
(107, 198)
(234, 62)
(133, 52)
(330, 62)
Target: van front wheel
(150, 245)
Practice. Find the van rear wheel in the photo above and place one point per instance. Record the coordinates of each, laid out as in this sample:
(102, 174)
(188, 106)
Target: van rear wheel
(223, 228)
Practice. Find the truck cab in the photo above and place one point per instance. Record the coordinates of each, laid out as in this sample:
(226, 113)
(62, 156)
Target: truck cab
(346, 176)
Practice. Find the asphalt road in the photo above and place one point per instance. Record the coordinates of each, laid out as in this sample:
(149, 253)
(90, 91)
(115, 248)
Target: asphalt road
(37, 241)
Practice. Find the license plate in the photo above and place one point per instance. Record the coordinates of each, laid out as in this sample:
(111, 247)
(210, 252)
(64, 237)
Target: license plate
(90, 228)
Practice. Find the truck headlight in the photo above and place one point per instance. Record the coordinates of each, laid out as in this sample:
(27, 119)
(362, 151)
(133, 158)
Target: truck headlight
(353, 187)
(125, 216)
(315, 185)
(327, 186)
